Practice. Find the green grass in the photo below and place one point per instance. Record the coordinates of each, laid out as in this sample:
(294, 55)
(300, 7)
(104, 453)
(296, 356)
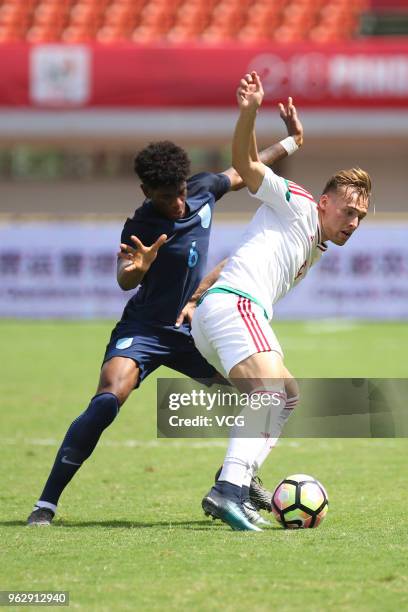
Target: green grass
(130, 533)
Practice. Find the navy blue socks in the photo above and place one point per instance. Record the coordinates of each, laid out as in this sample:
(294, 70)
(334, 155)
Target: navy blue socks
(78, 444)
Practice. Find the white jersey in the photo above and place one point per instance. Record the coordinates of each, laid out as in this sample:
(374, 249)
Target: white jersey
(279, 246)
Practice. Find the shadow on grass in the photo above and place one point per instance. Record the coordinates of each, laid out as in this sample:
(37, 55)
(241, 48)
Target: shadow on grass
(117, 524)
(202, 525)
(134, 524)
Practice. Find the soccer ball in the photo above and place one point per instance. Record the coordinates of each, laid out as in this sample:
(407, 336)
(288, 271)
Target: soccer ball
(299, 502)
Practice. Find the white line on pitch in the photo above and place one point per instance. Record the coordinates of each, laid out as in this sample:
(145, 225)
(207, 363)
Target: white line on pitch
(220, 443)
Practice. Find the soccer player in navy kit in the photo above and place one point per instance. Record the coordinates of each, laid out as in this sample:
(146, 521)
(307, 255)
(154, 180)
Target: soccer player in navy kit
(164, 250)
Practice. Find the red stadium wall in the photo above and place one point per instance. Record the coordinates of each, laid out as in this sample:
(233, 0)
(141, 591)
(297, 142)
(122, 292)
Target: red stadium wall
(344, 75)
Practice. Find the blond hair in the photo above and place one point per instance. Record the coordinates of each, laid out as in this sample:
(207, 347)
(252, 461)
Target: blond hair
(354, 180)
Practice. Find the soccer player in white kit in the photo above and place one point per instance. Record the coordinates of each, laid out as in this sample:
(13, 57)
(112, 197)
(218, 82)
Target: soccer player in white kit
(230, 327)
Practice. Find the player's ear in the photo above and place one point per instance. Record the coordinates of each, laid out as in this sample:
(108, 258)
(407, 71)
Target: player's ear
(322, 204)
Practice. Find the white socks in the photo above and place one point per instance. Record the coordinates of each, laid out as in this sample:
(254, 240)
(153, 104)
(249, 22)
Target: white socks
(238, 460)
(245, 455)
(261, 420)
(270, 443)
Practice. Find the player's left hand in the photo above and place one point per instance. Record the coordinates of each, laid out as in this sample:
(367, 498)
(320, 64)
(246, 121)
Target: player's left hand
(186, 314)
(290, 117)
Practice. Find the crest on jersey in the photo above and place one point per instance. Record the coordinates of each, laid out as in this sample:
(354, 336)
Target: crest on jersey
(205, 215)
(124, 343)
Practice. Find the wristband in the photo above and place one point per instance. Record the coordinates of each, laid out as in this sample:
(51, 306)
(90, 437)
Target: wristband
(289, 144)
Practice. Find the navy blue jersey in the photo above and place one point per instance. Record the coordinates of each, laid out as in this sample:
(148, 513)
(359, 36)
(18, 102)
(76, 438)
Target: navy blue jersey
(180, 264)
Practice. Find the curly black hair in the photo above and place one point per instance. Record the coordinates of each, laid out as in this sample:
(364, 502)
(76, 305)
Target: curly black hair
(162, 164)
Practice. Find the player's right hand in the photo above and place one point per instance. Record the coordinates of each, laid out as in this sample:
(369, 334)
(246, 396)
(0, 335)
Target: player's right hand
(290, 117)
(186, 315)
(140, 257)
(250, 92)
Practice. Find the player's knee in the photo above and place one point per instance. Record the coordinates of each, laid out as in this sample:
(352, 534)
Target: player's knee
(119, 377)
(104, 408)
(121, 392)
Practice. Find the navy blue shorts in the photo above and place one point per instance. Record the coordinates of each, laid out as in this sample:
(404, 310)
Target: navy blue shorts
(152, 347)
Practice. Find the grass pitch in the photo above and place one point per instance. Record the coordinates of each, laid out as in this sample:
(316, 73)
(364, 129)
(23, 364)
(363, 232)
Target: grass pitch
(130, 533)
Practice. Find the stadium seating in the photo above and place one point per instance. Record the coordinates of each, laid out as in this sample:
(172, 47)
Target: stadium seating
(179, 21)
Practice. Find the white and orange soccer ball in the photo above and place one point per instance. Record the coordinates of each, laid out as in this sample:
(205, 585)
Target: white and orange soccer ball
(300, 502)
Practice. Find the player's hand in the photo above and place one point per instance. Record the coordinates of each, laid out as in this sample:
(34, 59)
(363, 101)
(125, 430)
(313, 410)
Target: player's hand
(187, 313)
(293, 124)
(250, 92)
(140, 257)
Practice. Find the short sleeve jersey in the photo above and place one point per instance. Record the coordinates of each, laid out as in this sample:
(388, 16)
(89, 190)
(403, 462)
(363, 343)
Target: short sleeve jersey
(280, 244)
(181, 261)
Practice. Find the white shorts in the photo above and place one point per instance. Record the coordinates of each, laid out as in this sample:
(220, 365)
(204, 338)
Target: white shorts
(228, 328)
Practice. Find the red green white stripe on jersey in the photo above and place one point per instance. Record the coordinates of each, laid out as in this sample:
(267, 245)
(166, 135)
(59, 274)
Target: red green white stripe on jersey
(223, 289)
(298, 190)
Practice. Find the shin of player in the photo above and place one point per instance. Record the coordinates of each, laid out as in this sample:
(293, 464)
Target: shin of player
(267, 414)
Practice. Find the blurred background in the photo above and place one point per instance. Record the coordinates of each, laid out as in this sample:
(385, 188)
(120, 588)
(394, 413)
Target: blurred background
(87, 83)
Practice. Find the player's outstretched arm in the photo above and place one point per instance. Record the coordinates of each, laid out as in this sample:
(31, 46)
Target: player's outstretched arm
(289, 145)
(293, 124)
(134, 262)
(277, 151)
(245, 157)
